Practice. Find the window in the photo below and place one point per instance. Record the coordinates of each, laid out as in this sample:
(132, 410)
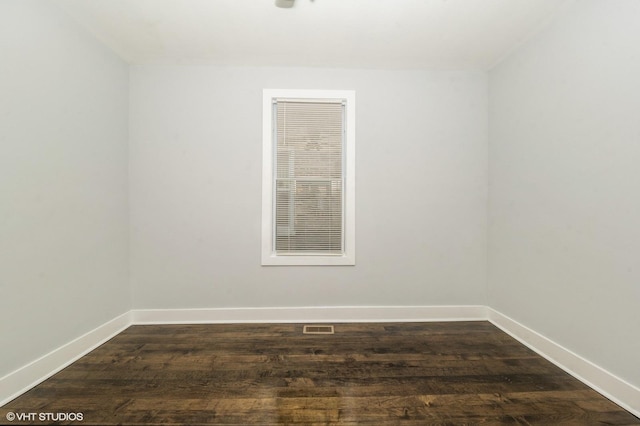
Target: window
(308, 183)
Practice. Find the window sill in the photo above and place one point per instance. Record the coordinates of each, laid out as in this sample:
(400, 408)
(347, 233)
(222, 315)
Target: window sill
(310, 260)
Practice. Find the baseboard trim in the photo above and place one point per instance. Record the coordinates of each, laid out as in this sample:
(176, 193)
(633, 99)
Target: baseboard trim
(616, 389)
(21, 380)
(310, 314)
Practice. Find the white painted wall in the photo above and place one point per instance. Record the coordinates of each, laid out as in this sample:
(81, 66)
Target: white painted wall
(63, 196)
(196, 189)
(564, 184)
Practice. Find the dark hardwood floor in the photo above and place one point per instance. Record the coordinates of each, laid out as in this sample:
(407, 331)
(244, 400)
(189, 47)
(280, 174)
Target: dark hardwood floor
(451, 373)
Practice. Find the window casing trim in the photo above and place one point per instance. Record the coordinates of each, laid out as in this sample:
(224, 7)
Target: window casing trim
(269, 257)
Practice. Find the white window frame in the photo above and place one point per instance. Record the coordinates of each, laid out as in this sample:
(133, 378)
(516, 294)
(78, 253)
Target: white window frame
(269, 257)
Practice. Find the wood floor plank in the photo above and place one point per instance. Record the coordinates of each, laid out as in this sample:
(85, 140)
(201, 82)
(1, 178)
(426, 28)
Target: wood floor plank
(451, 373)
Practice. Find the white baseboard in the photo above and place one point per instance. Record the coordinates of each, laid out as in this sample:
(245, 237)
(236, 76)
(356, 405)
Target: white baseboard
(310, 314)
(617, 390)
(21, 380)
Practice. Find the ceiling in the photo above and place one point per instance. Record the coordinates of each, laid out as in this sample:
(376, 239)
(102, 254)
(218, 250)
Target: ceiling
(390, 34)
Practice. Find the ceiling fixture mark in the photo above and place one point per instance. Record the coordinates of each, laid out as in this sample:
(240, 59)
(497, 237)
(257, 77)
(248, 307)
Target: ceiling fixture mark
(285, 4)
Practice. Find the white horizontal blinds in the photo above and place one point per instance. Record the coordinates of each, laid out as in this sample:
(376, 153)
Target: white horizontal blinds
(309, 177)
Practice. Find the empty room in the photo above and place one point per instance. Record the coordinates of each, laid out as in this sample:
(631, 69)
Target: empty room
(320, 212)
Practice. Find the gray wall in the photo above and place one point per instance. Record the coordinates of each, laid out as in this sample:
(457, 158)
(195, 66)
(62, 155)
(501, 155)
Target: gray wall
(421, 196)
(565, 184)
(63, 185)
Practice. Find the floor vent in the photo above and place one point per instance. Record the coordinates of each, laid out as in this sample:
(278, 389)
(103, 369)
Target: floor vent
(317, 329)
